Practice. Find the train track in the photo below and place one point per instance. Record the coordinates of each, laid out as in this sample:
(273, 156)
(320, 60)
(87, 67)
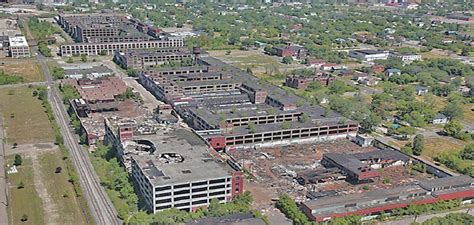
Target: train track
(100, 205)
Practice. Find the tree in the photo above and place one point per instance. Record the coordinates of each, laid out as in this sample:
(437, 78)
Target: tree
(285, 125)
(132, 72)
(58, 169)
(252, 127)
(70, 60)
(453, 128)
(21, 185)
(468, 152)
(418, 144)
(370, 122)
(287, 60)
(24, 218)
(141, 217)
(453, 110)
(84, 58)
(18, 161)
(465, 52)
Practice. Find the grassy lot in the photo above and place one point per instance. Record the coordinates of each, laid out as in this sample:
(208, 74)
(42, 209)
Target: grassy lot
(436, 145)
(254, 59)
(24, 118)
(434, 54)
(60, 190)
(29, 69)
(468, 113)
(18, 197)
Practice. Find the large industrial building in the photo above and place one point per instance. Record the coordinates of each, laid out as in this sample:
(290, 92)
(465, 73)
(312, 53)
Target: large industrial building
(103, 34)
(231, 108)
(172, 167)
(361, 167)
(385, 200)
(143, 58)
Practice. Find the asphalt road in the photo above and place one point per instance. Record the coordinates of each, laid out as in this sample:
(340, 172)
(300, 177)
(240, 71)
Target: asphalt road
(100, 205)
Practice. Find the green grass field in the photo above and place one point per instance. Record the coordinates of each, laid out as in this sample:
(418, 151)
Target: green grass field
(24, 201)
(60, 190)
(24, 118)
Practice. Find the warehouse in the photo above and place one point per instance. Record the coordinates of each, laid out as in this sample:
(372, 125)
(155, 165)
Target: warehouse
(142, 58)
(386, 200)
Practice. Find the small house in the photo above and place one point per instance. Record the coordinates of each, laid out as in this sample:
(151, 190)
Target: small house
(440, 119)
(392, 72)
(420, 90)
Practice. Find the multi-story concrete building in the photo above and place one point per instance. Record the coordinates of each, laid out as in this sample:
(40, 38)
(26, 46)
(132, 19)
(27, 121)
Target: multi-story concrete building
(142, 58)
(174, 168)
(230, 108)
(110, 48)
(18, 47)
(102, 34)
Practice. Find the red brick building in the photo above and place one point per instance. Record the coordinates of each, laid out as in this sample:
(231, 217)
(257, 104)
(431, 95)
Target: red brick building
(302, 82)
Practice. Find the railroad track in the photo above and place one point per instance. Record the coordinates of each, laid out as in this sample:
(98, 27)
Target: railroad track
(100, 205)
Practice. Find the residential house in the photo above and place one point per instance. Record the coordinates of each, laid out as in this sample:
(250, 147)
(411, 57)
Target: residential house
(440, 119)
(420, 90)
(392, 72)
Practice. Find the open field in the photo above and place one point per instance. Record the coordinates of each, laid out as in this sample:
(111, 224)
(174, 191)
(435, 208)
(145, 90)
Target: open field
(436, 145)
(25, 120)
(29, 69)
(434, 54)
(255, 60)
(468, 113)
(59, 189)
(26, 200)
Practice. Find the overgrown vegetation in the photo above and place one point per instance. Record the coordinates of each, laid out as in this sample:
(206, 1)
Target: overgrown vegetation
(9, 79)
(461, 162)
(452, 218)
(41, 30)
(291, 210)
(58, 73)
(42, 94)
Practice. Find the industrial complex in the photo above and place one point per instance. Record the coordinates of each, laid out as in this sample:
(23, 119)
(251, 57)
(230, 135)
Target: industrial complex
(215, 121)
(103, 34)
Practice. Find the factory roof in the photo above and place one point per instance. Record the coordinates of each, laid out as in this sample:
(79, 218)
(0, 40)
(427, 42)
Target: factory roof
(155, 52)
(451, 181)
(354, 162)
(71, 71)
(352, 202)
(370, 51)
(180, 157)
(18, 41)
(233, 219)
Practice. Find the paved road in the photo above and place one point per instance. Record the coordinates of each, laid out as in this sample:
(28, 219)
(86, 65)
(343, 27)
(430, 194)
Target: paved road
(100, 205)
(422, 218)
(3, 180)
(23, 84)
